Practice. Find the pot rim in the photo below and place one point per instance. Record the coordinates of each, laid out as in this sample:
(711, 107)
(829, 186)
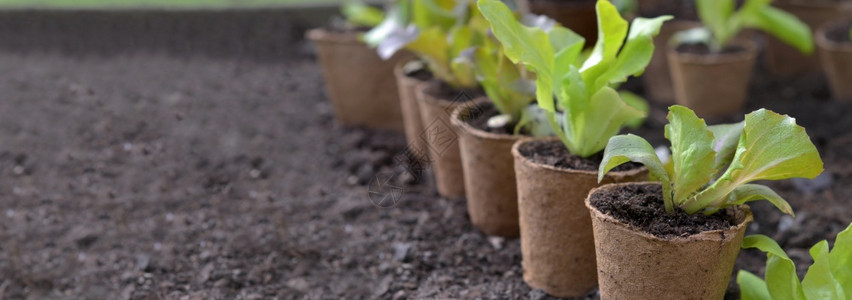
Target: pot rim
(750, 53)
(826, 43)
(710, 235)
(323, 35)
(526, 160)
(455, 118)
(423, 94)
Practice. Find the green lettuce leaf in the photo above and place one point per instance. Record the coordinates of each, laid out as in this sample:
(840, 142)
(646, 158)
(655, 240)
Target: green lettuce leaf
(819, 283)
(771, 147)
(780, 270)
(725, 140)
(692, 152)
(361, 14)
(783, 25)
(752, 287)
(841, 259)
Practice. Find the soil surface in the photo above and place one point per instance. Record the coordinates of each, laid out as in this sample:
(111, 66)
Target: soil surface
(839, 32)
(642, 206)
(554, 153)
(479, 117)
(170, 170)
(702, 49)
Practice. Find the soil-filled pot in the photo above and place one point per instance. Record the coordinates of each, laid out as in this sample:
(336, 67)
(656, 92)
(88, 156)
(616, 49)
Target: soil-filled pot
(634, 263)
(557, 244)
(712, 84)
(835, 49)
(657, 80)
(437, 101)
(407, 80)
(489, 170)
(360, 84)
(579, 15)
(784, 60)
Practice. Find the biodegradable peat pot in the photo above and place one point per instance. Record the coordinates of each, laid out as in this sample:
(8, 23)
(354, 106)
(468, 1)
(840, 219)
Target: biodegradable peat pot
(635, 264)
(579, 15)
(359, 83)
(557, 244)
(437, 101)
(657, 80)
(835, 49)
(489, 170)
(407, 80)
(712, 84)
(784, 60)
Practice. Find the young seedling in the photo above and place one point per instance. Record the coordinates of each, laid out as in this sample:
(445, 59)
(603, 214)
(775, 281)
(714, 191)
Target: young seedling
(712, 167)
(592, 111)
(438, 31)
(360, 14)
(829, 276)
(722, 23)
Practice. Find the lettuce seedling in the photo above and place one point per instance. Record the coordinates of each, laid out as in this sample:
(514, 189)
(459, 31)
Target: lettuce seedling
(712, 167)
(360, 14)
(438, 31)
(722, 23)
(829, 276)
(592, 111)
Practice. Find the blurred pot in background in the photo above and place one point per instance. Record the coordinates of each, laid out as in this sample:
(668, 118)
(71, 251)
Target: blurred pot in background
(784, 60)
(834, 45)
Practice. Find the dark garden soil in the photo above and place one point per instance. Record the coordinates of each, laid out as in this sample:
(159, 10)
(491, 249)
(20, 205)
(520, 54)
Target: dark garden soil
(129, 171)
(479, 117)
(553, 153)
(642, 206)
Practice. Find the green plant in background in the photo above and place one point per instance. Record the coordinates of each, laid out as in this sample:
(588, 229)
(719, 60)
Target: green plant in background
(360, 14)
(829, 277)
(592, 111)
(438, 31)
(766, 146)
(722, 23)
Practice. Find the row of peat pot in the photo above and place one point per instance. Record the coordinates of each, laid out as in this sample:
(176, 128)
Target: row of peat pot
(568, 246)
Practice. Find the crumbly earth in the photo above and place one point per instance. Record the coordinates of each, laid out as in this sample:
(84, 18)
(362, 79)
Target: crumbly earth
(147, 175)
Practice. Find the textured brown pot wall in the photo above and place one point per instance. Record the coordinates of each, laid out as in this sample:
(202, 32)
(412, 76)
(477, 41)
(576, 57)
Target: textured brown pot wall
(579, 15)
(783, 60)
(712, 85)
(837, 63)
(489, 176)
(657, 80)
(557, 243)
(360, 84)
(441, 139)
(410, 111)
(633, 264)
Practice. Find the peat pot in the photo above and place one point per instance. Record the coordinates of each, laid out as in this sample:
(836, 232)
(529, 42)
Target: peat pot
(784, 60)
(634, 264)
(712, 84)
(579, 15)
(557, 244)
(657, 80)
(360, 84)
(409, 74)
(437, 101)
(835, 50)
(489, 171)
